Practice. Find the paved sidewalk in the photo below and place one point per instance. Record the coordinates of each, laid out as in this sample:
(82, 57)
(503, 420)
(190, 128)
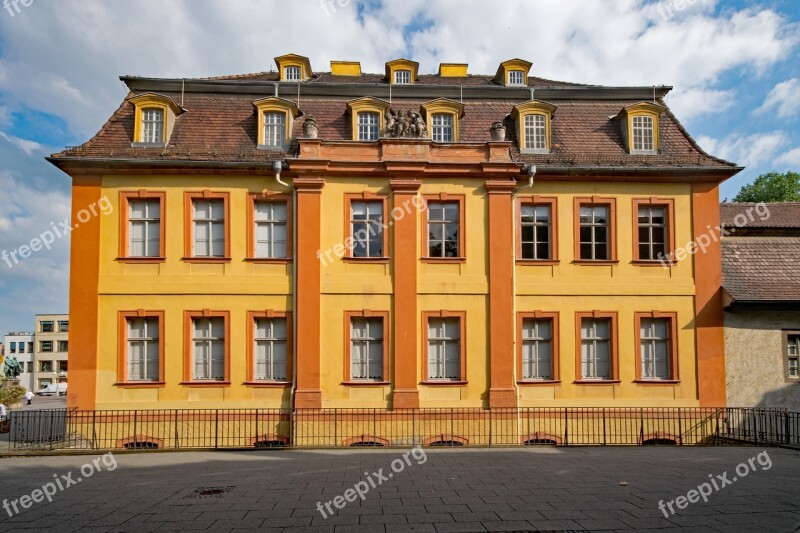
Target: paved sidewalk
(547, 489)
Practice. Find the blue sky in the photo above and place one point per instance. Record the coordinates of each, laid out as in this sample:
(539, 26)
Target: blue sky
(734, 64)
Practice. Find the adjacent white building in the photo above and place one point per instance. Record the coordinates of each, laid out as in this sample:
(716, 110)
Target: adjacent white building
(21, 345)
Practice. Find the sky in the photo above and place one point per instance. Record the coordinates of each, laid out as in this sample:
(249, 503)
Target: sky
(734, 66)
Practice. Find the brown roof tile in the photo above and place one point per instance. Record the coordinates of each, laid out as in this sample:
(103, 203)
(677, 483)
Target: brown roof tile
(762, 269)
(781, 215)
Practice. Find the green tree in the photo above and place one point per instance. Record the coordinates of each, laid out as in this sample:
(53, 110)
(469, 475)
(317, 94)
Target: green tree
(772, 187)
(11, 393)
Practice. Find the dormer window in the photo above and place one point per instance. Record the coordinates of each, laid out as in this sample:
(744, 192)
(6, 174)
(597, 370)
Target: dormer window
(291, 73)
(367, 118)
(516, 77)
(442, 116)
(154, 118)
(274, 128)
(639, 126)
(368, 126)
(152, 126)
(533, 120)
(275, 122)
(442, 128)
(402, 77)
(643, 137)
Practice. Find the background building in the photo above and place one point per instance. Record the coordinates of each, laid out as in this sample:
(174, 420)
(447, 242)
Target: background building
(51, 349)
(302, 239)
(21, 346)
(761, 268)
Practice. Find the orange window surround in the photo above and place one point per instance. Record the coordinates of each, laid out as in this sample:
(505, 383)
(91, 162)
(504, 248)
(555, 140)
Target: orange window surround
(252, 316)
(367, 196)
(122, 349)
(188, 347)
(252, 200)
(188, 225)
(124, 224)
(611, 203)
(556, 356)
(673, 345)
(613, 349)
(347, 375)
(669, 206)
(537, 200)
(462, 345)
(462, 252)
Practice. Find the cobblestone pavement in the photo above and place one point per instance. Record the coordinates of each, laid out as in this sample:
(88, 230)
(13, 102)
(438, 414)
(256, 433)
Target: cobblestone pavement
(544, 489)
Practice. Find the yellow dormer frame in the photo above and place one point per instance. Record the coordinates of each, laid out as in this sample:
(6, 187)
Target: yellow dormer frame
(641, 109)
(274, 104)
(367, 104)
(402, 64)
(513, 64)
(453, 70)
(294, 60)
(442, 106)
(154, 101)
(533, 107)
(345, 68)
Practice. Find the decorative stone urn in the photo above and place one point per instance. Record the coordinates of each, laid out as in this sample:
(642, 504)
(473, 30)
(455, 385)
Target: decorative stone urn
(498, 131)
(310, 130)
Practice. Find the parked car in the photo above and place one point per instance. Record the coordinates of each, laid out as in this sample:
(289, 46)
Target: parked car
(53, 389)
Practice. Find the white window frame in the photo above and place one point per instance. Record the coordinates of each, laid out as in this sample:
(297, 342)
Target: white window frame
(532, 357)
(792, 356)
(292, 73)
(151, 220)
(371, 370)
(444, 222)
(438, 357)
(402, 77)
(648, 349)
(270, 369)
(369, 125)
(152, 125)
(210, 342)
(274, 129)
(591, 357)
(374, 225)
(443, 128)
(269, 222)
(535, 224)
(649, 225)
(594, 225)
(516, 78)
(643, 129)
(210, 222)
(146, 342)
(535, 132)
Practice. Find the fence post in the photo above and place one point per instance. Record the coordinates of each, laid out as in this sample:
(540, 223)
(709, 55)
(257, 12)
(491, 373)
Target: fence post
(216, 428)
(566, 426)
(414, 427)
(755, 426)
(680, 428)
(177, 439)
(94, 430)
(490, 427)
(786, 436)
(604, 426)
(335, 428)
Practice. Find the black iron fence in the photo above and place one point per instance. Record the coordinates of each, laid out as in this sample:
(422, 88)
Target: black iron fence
(335, 428)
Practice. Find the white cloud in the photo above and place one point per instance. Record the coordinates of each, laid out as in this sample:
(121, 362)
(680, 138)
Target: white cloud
(783, 97)
(746, 150)
(791, 158)
(693, 103)
(29, 147)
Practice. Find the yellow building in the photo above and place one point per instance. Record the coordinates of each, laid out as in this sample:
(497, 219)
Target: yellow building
(303, 239)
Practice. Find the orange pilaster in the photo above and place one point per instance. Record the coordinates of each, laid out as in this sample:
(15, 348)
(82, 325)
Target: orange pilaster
(83, 295)
(708, 298)
(404, 254)
(308, 286)
(502, 392)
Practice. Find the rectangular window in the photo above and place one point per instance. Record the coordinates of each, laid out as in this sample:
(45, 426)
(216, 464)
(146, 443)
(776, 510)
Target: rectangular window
(208, 349)
(366, 228)
(143, 349)
(654, 335)
(516, 77)
(63, 346)
(270, 221)
(271, 342)
(46, 326)
(652, 232)
(643, 137)
(366, 349)
(13, 347)
(209, 228)
(444, 229)
(596, 349)
(595, 227)
(537, 349)
(63, 366)
(46, 346)
(30, 347)
(536, 132)
(21, 347)
(153, 126)
(442, 128)
(63, 325)
(793, 356)
(368, 126)
(274, 129)
(29, 366)
(444, 349)
(536, 231)
(291, 73)
(402, 77)
(45, 366)
(144, 231)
